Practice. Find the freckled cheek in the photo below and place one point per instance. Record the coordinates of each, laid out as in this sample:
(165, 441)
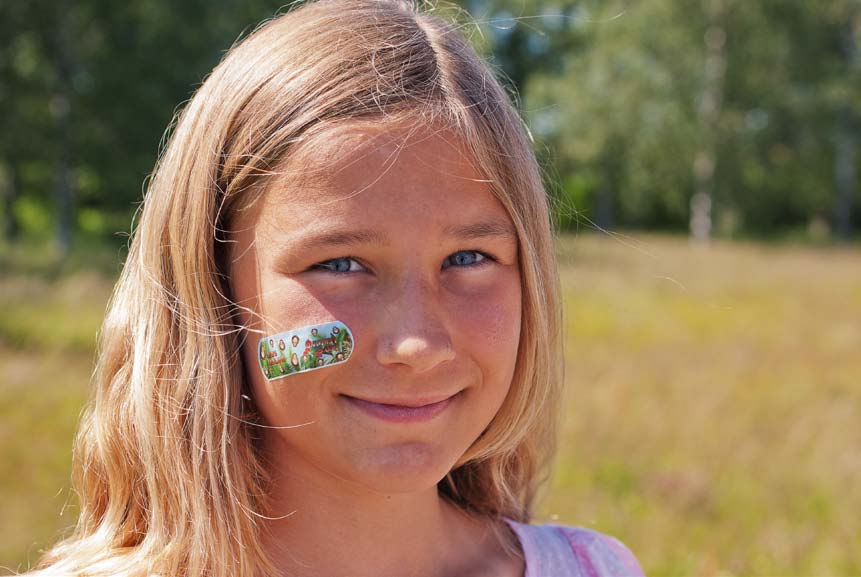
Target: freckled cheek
(289, 305)
(489, 322)
(293, 305)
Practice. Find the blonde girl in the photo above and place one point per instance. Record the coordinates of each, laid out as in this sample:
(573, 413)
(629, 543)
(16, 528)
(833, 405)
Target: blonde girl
(350, 161)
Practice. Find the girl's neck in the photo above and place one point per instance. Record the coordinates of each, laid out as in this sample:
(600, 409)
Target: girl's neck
(333, 530)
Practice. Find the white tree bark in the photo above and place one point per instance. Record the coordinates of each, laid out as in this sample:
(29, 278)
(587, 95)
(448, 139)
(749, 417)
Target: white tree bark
(709, 116)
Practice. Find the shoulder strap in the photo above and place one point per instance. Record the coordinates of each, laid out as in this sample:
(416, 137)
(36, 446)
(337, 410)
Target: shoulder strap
(557, 551)
(600, 555)
(546, 551)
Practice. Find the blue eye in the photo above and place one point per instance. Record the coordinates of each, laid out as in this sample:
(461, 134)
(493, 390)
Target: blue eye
(466, 258)
(345, 264)
(339, 265)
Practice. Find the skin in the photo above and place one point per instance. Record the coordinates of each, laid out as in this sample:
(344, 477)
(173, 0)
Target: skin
(359, 492)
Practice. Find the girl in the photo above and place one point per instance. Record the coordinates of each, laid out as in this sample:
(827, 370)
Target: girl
(351, 162)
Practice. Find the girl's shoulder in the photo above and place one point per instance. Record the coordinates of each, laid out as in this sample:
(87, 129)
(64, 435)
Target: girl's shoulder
(561, 551)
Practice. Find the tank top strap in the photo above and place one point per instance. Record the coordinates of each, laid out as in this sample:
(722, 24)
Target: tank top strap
(546, 551)
(560, 551)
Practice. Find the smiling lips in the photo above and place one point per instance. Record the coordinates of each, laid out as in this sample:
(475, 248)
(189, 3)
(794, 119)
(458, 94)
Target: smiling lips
(411, 411)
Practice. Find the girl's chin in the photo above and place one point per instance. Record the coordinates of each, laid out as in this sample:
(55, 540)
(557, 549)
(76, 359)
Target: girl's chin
(402, 468)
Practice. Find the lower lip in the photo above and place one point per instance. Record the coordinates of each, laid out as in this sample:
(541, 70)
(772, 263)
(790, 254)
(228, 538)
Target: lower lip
(399, 413)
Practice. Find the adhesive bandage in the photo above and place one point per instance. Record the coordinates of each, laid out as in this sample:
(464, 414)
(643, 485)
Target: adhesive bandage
(305, 349)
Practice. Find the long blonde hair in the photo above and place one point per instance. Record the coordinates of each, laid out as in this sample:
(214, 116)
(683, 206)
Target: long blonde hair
(167, 464)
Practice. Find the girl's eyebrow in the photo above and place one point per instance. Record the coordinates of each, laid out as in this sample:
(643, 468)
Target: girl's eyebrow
(491, 228)
(343, 238)
(485, 229)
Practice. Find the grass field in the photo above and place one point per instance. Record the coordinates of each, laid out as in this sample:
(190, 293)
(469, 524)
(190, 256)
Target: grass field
(712, 421)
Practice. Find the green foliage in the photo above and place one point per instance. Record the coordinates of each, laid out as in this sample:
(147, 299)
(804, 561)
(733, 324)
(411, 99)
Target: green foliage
(92, 85)
(612, 91)
(615, 90)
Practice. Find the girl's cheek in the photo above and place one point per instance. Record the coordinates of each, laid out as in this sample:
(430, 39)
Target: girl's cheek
(491, 317)
(288, 304)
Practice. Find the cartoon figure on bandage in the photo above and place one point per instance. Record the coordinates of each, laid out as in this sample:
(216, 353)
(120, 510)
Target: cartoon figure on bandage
(305, 349)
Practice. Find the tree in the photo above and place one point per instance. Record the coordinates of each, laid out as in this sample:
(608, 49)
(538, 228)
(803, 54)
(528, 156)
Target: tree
(747, 94)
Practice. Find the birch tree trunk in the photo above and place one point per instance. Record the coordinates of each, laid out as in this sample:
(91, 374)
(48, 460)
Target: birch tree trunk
(708, 117)
(844, 177)
(845, 152)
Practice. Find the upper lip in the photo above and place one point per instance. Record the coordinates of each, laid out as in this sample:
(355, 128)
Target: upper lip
(411, 402)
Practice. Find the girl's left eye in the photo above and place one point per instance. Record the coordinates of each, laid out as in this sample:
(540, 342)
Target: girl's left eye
(339, 265)
(466, 258)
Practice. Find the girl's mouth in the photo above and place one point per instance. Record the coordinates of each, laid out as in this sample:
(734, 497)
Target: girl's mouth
(402, 410)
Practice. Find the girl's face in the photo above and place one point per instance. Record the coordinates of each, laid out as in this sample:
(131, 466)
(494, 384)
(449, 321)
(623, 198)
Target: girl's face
(407, 246)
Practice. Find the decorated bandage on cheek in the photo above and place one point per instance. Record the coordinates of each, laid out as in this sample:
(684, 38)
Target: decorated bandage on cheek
(304, 349)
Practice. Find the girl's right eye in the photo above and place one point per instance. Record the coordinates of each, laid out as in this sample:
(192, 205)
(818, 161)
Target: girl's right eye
(341, 265)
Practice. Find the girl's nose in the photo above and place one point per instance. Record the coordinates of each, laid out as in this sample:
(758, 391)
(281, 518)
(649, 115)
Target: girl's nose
(413, 329)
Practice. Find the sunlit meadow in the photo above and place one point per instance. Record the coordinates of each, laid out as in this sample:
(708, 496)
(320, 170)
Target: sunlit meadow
(711, 423)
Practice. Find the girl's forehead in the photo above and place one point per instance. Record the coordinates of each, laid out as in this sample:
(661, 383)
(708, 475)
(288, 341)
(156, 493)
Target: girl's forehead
(381, 187)
(341, 161)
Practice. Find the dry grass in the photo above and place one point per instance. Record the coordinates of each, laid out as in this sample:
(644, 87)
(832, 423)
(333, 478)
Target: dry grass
(47, 334)
(715, 399)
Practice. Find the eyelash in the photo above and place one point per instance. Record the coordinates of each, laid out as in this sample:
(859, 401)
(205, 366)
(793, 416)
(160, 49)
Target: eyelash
(486, 259)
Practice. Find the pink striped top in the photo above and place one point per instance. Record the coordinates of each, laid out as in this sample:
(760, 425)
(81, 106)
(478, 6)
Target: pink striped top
(558, 551)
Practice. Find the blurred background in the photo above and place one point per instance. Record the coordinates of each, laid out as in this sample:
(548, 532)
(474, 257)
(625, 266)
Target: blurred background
(703, 158)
